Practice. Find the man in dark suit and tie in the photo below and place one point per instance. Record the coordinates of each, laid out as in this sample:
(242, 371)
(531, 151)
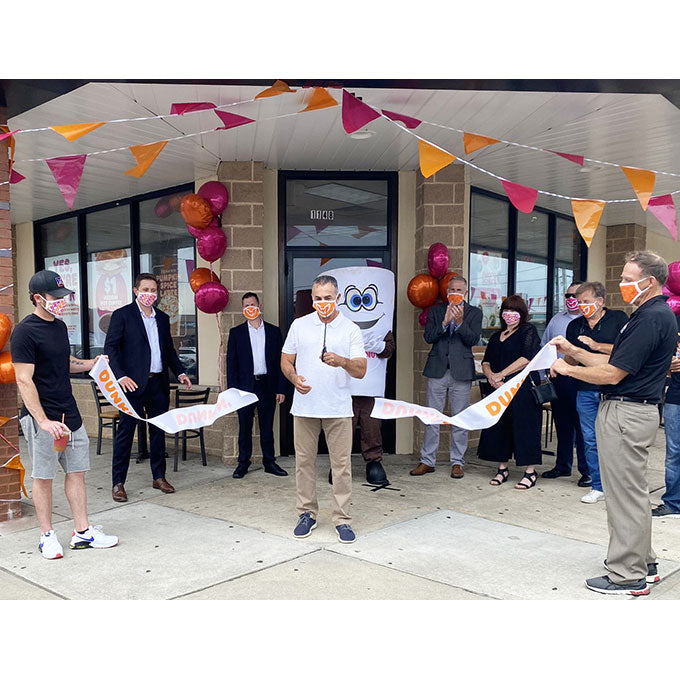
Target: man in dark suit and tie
(452, 330)
(140, 350)
(254, 365)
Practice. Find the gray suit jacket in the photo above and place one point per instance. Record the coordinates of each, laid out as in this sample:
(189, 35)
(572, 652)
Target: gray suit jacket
(454, 350)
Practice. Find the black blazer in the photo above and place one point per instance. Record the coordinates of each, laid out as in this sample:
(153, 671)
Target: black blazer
(457, 347)
(128, 346)
(240, 370)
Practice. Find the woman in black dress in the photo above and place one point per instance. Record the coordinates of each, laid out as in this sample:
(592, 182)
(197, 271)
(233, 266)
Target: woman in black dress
(519, 429)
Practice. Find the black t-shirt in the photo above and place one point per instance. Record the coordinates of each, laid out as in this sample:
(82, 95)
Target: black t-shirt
(605, 330)
(644, 349)
(45, 345)
(524, 342)
(673, 392)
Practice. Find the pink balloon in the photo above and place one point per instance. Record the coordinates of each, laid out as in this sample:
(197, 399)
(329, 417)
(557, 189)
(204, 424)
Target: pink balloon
(211, 297)
(217, 195)
(438, 259)
(666, 290)
(163, 208)
(422, 317)
(674, 303)
(673, 281)
(216, 222)
(196, 233)
(211, 243)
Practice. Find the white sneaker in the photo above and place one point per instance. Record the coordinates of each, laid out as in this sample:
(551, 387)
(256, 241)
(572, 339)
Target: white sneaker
(94, 537)
(49, 546)
(593, 496)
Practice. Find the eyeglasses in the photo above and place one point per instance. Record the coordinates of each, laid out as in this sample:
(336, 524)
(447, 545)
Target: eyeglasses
(570, 295)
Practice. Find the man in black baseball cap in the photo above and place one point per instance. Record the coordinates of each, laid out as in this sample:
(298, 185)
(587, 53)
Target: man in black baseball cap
(50, 282)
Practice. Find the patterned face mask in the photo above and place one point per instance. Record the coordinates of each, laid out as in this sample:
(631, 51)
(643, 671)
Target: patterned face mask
(588, 308)
(251, 312)
(54, 307)
(454, 298)
(511, 318)
(628, 291)
(147, 299)
(572, 304)
(325, 308)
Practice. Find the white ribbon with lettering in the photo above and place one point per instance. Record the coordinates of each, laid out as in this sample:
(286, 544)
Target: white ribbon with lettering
(479, 416)
(175, 420)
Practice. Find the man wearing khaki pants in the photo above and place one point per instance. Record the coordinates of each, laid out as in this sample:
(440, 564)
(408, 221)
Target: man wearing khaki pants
(321, 352)
(628, 419)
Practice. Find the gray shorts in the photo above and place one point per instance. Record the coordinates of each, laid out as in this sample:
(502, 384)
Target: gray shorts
(75, 458)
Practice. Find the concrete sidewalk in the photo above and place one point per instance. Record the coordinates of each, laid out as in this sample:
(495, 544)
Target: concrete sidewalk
(429, 537)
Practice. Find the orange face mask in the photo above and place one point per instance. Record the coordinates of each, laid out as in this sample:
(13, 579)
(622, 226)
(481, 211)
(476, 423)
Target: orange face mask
(251, 312)
(325, 308)
(588, 309)
(454, 298)
(631, 291)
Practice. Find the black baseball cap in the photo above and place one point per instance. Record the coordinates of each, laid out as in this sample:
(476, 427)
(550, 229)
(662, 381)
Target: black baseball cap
(50, 282)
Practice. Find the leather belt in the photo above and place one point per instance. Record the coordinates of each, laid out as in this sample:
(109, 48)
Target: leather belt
(635, 400)
(154, 375)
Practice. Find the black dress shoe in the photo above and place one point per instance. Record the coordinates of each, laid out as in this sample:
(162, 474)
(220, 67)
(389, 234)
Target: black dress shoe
(375, 473)
(586, 480)
(274, 469)
(240, 471)
(551, 474)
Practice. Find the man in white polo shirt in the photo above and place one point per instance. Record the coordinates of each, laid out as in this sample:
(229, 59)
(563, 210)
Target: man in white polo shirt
(322, 351)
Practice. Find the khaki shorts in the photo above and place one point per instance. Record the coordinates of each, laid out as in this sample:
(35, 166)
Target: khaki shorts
(75, 458)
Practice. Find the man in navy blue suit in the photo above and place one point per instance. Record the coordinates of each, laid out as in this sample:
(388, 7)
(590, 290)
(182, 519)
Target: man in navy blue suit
(140, 350)
(254, 365)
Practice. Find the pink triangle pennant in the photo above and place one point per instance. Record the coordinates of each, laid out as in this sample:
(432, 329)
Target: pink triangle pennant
(15, 177)
(8, 134)
(579, 160)
(523, 198)
(232, 120)
(355, 114)
(190, 107)
(67, 172)
(410, 123)
(373, 263)
(663, 208)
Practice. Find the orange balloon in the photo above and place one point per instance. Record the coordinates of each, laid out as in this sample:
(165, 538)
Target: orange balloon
(5, 329)
(6, 368)
(196, 211)
(444, 284)
(200, 276)
(423, 290)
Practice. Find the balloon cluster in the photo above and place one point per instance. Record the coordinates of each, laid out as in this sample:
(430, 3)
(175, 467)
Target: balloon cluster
(424, 289)
(672, 287)
(202, 212)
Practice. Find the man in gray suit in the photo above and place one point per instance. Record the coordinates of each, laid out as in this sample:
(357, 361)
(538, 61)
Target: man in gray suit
(452, 330)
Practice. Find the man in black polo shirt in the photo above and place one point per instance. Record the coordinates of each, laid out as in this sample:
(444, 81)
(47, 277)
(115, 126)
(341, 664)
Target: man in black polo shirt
(628, 419)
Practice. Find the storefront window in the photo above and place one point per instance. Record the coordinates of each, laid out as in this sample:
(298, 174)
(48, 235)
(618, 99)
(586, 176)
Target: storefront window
(167, 250)
(567, 259)
(532, 265)
(60, 254)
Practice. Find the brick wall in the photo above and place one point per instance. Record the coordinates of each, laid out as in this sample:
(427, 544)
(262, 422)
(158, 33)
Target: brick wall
(9, 479)
(620, 240)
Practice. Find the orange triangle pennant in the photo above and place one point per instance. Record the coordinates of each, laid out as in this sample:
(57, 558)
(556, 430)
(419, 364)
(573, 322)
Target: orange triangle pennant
(642, 182)
(279, 87)
(587, 215)
(145, 155)
(15, 464)
(432, 159)
(476, 142)
(321, 99)
(324, 260)
(73, 132)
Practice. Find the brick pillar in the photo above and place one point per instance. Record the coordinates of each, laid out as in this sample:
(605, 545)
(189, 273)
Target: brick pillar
(241, 265)
(621, 239)
(440, 217)
(9, 479)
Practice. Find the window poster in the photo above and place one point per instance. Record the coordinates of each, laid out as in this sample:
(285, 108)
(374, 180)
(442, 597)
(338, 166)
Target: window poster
(67, 266)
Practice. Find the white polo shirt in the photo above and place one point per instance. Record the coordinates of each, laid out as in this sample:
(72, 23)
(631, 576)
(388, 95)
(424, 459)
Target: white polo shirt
(330, 396)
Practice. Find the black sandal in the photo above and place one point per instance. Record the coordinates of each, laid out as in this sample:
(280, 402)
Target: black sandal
(503, 472)
(531, 476)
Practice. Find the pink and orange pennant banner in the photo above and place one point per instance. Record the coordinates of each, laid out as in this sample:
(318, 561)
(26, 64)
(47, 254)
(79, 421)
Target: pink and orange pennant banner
(663, 208)
(579, 160)
(523, 198)
(73, 132)
(355, 114)
(432, 159)
(231, 120)
(475, 142)
(190, 107)
(67, 172)
(16, 464)
(408, 121)
(642, 182)
(320, 99)
(587, 216)
(7, 134)
(279, 87)
(145, 155)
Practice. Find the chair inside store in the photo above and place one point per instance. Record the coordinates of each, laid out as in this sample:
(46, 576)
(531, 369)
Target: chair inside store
(190, 398)
(107, 416)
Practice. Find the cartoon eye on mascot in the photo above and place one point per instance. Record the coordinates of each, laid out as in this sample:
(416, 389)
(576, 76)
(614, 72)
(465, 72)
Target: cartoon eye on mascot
(367, 299)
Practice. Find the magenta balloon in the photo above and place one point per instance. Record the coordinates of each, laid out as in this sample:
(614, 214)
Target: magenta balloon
(438, 259)
(674, 303)
(422, 317)
(666, 290)
(196, 233)
(215, 222)
(163, 208)
(211, 297)
(217, 195)
(211, 243)
(673, 281)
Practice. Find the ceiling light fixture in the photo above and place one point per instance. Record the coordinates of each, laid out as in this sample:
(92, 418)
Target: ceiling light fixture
(362, 134)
